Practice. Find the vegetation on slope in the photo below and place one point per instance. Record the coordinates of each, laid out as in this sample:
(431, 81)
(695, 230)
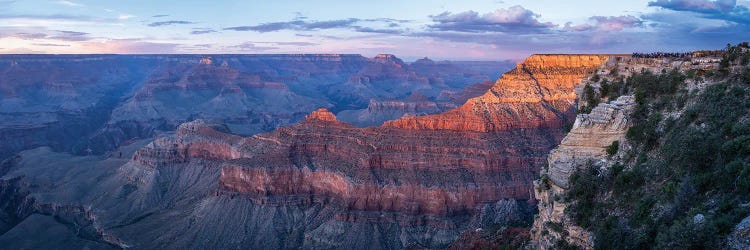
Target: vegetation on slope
(685, 181)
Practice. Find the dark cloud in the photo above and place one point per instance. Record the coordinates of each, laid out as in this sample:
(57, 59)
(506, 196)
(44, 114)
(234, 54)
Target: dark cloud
(377, 30)
(166, 23)
(300, 24)
(66, 35)
(296, 25)
(250, 47)
(694, 31)
(388, 20)
(727, 10)
(607, 24)
(33, 33)
(161, 15)
(329, 24)
(55, 17)
(702, 6)
(513, 19)
(268, 27)
(201, 31)
(29, 36)
(295, 43)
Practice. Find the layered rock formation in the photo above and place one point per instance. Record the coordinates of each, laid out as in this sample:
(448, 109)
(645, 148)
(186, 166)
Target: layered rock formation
(445, 169)
(419, 181)
(584, 145)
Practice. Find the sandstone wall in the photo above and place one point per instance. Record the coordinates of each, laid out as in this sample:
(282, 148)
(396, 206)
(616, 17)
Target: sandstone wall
(585, 144)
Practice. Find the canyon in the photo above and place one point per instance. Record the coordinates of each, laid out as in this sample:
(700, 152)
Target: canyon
(416, 181)
(316, 151)
(90, 104)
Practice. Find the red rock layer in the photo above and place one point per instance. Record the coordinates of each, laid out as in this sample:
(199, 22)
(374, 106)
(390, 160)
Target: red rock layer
(385, 169)
(195, 140)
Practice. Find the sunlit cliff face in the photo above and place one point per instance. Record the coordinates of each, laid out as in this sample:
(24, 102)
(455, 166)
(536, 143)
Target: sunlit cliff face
(519, 98)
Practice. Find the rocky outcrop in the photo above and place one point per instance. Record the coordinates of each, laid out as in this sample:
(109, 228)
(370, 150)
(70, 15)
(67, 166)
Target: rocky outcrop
(196, 139)
(585, 144)
(389, 59)
(591, 134)
(739, 238)
(322, 114)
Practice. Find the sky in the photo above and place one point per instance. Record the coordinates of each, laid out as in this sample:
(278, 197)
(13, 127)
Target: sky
(410, 29)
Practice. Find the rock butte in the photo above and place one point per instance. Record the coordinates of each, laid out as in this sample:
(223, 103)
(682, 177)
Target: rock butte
(489, 149)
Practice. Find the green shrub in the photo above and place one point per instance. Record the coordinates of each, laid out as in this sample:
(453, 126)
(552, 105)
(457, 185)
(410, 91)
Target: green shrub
(554, 226)
(612, 148)
(544, 181)
(595, 78)
(604, 88)
(589, 95)
(627, 181)
(583, 189)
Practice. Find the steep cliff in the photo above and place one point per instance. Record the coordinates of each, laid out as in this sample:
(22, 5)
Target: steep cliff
(664, 166)
(584, 145)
